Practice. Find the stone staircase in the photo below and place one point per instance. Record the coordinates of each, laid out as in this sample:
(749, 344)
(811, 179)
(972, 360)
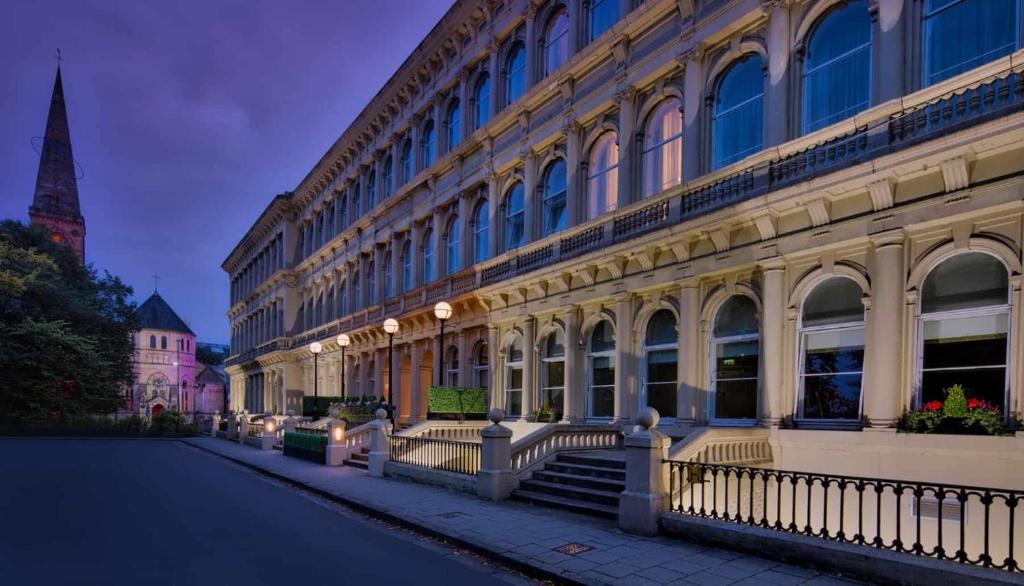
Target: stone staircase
(582, 482)
(360, 459)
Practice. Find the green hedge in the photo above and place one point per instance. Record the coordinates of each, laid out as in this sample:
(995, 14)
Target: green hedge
(457, 400)
(317, 406)
(305, 441)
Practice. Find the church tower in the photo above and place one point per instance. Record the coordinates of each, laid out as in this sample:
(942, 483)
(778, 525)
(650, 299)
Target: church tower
(55, 204)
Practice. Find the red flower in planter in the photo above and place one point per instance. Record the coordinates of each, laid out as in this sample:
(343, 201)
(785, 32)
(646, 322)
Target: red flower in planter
(976, 404)
(933, 406)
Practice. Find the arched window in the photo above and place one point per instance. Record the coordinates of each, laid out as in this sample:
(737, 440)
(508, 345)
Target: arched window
(163, 342)
(330, 304)
(554, 198)
(452, 367)
(481, 367)
(407, 283)
(389, 277)
(480, 222)
(371, 189)
(556, 41)
(428, 257)
(387, 178)
(960, 35)
(603, 14)
(407, 161)
(357, 201)
(964, 328)
(661, 359)
(482, 100)
(552, 384)
(515, 217)
(343, 301)
(738, 118)
(601, 371)
(831, 351)
(330, 221)
(734, 351)
(371, 282)
(514, 379)
(603, 176)
(453, 125)
(452, 262)
(515, 73)
(837, 66)
(357, 292)
(427, 147)
(152, 341)
(343, 211)
(663, 148)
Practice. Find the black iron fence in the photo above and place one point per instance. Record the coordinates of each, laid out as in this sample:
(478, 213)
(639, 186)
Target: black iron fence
(967, 524)
(311, 430)
(449, 455)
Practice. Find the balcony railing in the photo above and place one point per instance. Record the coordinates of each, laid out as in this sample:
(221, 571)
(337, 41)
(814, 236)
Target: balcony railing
(966, 524)
(439, 454)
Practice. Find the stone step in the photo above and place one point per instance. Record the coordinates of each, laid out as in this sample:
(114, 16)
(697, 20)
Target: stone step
(590, 495)
(593, 461)
(594, 482)
(360, 456)
(566, 504)
(357, 464)
(584, 470)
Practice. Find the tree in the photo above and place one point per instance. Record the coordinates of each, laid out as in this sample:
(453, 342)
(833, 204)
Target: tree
(67, 346)
(208, 356)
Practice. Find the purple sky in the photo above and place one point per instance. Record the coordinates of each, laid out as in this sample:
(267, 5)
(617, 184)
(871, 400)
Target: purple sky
(188, 116)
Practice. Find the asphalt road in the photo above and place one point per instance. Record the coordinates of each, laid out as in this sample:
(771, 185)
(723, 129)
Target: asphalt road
(161, 512)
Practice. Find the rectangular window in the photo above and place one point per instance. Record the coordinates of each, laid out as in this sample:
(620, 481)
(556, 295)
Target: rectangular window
(960, 35)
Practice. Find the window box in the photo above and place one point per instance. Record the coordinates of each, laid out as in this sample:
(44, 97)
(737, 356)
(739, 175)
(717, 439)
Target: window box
(957, 415)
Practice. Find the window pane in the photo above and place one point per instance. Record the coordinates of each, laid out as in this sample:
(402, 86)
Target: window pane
(554, 198)
(603, 14)
(601, 339)
(483, 100)
(663, 148)
(556, 42)
(555, 345)
(832, 397)
(736, 399)
(515, 378)
(661, 381)
(837, 66)
(965, 342)
(553, 398)
(736, 317)
(961, 35)
(480, 233)
(514, 403)
(835, 351)
(516, 74)
(554, 373)
(515, 216)
(454, 126)
(738, 124)
(835, 301)
(603, 176)
(661, 329)
(971, 279)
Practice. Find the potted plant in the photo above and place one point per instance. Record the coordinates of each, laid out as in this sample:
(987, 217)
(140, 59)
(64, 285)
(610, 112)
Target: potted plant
(958, 414)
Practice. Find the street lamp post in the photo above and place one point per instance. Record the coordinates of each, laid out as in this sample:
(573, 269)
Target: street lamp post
(343, 341)
(442, 311)
(391, 328)
(316, 349)
(177, 385)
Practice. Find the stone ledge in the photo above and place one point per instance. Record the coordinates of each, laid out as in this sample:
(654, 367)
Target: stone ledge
(442, 478)
(866, 563)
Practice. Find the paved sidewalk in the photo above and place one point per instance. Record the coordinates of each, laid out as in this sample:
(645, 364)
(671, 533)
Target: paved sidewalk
(519, 533)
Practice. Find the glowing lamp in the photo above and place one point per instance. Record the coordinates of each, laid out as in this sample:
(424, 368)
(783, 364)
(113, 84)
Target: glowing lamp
(316, 348)
(343, 340)
(391, 326)
(442, 310)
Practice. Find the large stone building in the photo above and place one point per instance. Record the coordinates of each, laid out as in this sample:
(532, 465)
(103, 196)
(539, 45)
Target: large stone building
(55, 203)
(802, 215)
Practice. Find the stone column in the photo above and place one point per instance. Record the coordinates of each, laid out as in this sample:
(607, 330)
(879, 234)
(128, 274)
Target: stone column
(690, 348)
(493, 207)
(532, 203)
(625, 393)
(646, 494)
(883, 365)
(379, 356)
(243, 427)
(773, 339)
(492, 361)
(574, 400)
(889, 61)
(380, 444)
(378, 268)
(627, 146)
(437, 223)
(693, 96)
(495, 480)
(336, 450)
(529, 366)
(777, 82)
(573, 207)
(462, 341)
(532, 61)
(415, 248)
(415, 364)
(495, 74)
(269, 439)
(465, 231)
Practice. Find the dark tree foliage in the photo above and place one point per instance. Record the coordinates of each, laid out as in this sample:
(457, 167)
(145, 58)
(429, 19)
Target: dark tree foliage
(209, 356)
(65, 332)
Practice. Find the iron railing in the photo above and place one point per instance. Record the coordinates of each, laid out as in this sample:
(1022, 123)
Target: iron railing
(311, 430)
(255, 430)
(439, 454)
(966, 524)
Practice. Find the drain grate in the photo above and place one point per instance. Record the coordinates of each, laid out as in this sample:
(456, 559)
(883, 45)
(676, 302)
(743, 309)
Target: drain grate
(573, 548)
(451, 515)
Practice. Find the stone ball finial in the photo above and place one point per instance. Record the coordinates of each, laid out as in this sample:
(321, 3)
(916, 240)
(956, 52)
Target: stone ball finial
(496, 416)
(649, 417)
(381, 414)
(291, 412)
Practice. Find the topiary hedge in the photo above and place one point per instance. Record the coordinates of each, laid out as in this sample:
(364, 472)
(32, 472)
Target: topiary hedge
(467, 402)
(305, 446)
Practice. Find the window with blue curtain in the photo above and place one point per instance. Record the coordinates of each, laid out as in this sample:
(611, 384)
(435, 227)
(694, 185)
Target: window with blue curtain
(357, 201)
(738, 118)
(371, 282)
(556, 41)
(453, 126)
(371, 189)
(603, 14)
(554, 198)
(428, 257)
(480, 225)
(960, 35)
(452, 240)
(386, 177)
(407, 267)
(515, 73)
(427, 148)
(837, 66)
(482, 100)
(389, 277)
(407, 161)
(515, 217)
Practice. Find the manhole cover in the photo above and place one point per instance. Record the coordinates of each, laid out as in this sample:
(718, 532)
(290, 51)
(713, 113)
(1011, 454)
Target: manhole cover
(451, 515)
(573, 548)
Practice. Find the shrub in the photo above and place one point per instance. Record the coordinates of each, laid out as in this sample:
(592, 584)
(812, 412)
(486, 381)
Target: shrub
(457, 401)
(957, 414)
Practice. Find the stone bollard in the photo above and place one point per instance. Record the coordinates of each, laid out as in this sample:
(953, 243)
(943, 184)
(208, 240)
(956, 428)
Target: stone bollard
(215, 424)
(269, 439)
(645, 497)
(495, 481)
(380, 444)
(243, 427)
(232, 426)
(336, 449)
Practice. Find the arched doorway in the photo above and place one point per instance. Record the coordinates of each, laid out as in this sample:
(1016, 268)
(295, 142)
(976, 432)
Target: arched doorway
(156, 410)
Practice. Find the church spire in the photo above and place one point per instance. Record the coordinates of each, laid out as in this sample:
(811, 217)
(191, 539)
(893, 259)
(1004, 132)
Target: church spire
(55, 204)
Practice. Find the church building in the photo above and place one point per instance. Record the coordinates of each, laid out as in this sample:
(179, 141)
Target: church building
(55, 204)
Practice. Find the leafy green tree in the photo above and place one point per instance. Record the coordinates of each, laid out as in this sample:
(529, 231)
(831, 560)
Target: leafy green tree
(66, 331)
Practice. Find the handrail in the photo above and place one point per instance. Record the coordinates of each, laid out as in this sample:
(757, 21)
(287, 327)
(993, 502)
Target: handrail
(537, 447)
(971, 525)
(723, 445)
(449, 430)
